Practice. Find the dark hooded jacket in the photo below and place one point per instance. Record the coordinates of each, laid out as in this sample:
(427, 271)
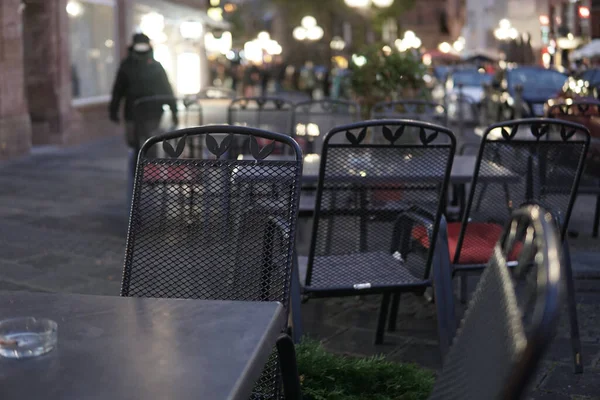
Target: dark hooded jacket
(140, 75)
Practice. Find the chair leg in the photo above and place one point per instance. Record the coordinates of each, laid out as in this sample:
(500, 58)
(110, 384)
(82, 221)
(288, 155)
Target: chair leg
(596, 218)
(464, 281)
(394, 312)
(295, 303)
(289, 368)
(383, 312)
(575, 340)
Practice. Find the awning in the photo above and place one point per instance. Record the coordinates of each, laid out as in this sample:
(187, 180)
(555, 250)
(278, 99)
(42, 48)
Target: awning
(592, 49)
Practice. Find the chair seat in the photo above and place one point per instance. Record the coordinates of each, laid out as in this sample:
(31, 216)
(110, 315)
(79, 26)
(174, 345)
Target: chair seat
(478, 244)
(367, 270)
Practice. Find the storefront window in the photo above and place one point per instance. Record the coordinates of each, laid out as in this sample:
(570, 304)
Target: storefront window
(93, 47)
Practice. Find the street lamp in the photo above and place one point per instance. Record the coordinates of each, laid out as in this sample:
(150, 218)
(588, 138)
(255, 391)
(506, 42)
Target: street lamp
(408, 41)
(308, 30)
(366, 3)
(459, 44)
(445, 47)
(337, 43)
(505, 31)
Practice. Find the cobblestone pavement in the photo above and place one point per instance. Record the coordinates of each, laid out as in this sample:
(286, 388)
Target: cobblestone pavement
(63, 222)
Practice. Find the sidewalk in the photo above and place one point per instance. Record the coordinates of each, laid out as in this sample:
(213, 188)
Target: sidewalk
(63, 222)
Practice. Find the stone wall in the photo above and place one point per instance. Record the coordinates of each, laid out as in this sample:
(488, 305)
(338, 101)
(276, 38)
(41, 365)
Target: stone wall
(15, 130)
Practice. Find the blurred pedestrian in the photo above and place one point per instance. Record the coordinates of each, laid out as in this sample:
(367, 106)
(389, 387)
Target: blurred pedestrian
(139, 76)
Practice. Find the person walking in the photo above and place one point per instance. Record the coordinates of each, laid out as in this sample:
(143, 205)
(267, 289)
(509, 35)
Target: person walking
(140, 76)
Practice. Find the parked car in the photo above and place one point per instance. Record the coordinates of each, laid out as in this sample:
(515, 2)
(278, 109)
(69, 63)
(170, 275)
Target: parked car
(538, 85)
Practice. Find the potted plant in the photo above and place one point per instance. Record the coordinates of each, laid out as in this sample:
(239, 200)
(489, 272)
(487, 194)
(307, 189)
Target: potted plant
(381, 74)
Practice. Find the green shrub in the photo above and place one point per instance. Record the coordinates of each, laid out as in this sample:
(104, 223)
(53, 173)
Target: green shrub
(327, 376)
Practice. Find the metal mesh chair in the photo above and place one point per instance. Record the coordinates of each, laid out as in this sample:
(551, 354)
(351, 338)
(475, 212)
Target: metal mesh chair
(587, 113)
(151, 117)
(269, 113)
(369, 197)
(520, 162)
(313, 119)
(214, 228)
(208, 107)
(419, 110)
(511, 318)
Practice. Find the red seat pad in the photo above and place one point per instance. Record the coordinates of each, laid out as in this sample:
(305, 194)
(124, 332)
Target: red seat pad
(478, 244)
(169, 173)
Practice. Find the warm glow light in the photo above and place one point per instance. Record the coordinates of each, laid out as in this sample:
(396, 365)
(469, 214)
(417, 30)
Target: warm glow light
(544, 20)
(458, 46)
(427, 59)
(229, 7)
(359, 61)
(387, 50)
(191, 30)
(220, 45)
(152, 25)
(299, 33)
(253, 51)
(357, 3)
(504, 24)
(74, 8)
(383, 3)
(188, 73)
(584, 12)
(163, 56)
(315, 33)
(445, 47)
(215, 13)
(215, 3)
(337, 43)
(264, 36)
(309, 22)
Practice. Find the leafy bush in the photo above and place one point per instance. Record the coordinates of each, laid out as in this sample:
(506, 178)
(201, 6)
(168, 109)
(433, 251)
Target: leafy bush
(386, 76)
(327, 376)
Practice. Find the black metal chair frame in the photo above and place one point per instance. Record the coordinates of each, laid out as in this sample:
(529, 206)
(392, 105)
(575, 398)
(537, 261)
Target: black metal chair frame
(463, 270)
(384, 110)
(540, 260)
(303, 108)
(280, 105)
(583, 105)
(285, 349)
(438, 262)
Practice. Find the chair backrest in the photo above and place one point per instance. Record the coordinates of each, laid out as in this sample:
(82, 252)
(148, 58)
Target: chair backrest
(313, 119)
(213, 228)
(293, 96)
(151, 117)
(419, 110)
(587, 113)
(364, 187)
(511, 318)
(270, 113)
(535, 160)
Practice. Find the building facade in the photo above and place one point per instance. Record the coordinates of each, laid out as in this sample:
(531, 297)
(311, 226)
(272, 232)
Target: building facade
(58, 60)
(435, 21)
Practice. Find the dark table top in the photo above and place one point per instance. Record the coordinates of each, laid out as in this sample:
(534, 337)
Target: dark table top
(463, 168)
(133, 348)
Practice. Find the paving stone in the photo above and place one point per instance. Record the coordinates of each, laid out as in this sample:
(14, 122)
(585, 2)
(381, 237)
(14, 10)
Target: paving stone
(563, 380)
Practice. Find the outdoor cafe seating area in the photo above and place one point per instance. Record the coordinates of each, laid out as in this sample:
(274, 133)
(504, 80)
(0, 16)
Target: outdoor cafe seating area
(213, 282)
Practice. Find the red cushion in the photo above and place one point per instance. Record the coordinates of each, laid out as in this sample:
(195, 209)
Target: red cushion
(478, 244)
(168, 173)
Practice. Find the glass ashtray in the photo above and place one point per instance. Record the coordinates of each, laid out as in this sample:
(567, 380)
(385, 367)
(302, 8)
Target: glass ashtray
(27, 337)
